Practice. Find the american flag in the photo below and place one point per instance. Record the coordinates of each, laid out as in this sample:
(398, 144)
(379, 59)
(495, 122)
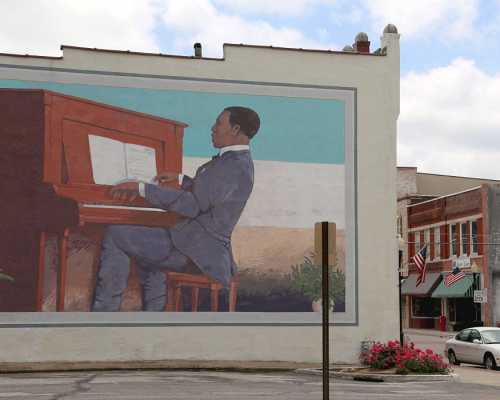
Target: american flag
(419, 260)
(454, 276)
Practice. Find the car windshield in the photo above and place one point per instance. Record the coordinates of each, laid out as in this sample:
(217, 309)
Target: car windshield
(491, 336)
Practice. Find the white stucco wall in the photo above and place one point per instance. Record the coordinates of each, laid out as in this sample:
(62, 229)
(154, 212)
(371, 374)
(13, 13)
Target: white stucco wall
(376, 79)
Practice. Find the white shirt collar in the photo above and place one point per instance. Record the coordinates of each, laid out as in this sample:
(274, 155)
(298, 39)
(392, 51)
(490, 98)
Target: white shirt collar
(235, 147)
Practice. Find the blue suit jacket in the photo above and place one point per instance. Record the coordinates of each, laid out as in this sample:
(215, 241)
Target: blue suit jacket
(212, 201)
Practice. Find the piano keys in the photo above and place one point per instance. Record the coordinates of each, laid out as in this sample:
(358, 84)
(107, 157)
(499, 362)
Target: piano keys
(47, 185)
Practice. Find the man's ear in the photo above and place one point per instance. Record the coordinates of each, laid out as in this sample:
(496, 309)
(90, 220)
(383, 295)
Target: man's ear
(236, 129)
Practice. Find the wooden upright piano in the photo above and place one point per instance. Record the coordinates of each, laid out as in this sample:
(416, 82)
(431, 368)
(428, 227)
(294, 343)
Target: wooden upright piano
(47, 184)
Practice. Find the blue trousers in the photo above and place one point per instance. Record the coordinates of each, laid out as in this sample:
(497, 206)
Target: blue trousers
(153, 252)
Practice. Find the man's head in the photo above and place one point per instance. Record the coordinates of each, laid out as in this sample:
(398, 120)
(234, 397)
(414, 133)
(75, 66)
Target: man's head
(235, 125)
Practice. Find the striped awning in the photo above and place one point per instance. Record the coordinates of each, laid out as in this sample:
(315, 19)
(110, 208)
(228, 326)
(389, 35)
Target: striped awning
(409, 285)
(462, 288)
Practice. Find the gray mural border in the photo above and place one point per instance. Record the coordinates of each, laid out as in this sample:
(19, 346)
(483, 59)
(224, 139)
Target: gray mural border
(142, 319)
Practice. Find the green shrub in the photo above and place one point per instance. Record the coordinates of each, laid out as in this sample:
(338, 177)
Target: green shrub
(307, 278)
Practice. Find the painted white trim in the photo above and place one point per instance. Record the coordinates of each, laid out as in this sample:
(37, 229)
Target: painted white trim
(442, 197)
(473, 217)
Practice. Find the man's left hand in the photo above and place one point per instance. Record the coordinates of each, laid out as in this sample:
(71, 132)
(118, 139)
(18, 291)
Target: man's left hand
(126, 191)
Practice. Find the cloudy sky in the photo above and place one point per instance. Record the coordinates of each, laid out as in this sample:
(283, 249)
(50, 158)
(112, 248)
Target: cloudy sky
(450, 64)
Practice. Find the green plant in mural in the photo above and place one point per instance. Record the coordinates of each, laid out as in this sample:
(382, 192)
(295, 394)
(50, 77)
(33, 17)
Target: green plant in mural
(307, 278)
(5, 277)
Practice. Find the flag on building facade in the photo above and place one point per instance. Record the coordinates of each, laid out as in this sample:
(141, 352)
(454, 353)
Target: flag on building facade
(454, 276)
(419, 260)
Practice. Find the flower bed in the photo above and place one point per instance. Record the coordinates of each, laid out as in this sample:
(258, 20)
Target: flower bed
(404, 359)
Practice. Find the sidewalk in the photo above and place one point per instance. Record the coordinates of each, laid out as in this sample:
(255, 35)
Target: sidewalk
(429, 332)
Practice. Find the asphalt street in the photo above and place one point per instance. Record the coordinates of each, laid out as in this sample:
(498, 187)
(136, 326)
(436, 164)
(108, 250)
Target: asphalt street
(474, 382)
(204, 385)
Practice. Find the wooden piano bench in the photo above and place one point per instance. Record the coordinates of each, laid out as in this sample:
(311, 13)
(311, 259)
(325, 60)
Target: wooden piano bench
(177, 280)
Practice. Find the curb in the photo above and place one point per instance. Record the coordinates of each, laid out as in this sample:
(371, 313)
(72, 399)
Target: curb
(229, 365)
(443, 335)
(351, 374)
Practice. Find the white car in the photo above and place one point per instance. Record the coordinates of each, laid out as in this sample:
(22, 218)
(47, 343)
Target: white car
(475, 346)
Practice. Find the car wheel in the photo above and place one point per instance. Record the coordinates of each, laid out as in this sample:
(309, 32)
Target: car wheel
(452, 358)
(489, 362)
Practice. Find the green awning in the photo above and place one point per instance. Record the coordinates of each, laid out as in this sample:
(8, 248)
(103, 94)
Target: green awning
(462, 288)
(409, 285)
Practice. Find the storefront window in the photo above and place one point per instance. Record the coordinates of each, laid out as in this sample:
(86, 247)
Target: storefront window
(400, 225)
(417, 242)
(473, 229)
(427, 241)
(426, 307)
(437, 243)
(453, 240)
(464, 239)
(452, 310)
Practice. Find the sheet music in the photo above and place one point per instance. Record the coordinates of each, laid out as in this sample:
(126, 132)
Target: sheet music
(140, 162)
(114, 161)
(108, 160)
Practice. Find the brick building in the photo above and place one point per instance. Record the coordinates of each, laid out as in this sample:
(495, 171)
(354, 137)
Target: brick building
(450, 214)
(460, 230)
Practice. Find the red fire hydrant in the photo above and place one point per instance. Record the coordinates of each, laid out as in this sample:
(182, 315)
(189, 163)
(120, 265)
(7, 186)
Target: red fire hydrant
(442, 323)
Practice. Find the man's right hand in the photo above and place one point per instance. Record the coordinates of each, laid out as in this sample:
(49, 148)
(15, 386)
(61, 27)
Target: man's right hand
(166, 177)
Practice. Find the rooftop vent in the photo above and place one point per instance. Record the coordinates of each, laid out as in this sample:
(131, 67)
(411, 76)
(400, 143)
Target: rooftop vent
(197, 50)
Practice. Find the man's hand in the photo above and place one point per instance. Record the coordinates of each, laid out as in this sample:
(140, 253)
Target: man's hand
(166, 177)
(125, 192)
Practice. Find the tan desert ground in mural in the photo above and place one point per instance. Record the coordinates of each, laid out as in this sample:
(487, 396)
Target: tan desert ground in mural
(266, 250)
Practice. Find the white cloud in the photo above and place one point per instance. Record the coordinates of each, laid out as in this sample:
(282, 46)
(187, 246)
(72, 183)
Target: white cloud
(445, 18)
(200, 21)
(274, 7)
(40, 27)
(450, 121)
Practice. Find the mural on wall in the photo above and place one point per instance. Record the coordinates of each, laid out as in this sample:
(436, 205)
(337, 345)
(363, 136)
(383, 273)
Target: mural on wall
(83, 234)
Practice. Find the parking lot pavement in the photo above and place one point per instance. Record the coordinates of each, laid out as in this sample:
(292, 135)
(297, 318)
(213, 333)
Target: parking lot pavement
(204, 385)
(477, 374)
(467, 373)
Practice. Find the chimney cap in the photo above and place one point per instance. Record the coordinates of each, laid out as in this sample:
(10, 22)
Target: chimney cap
(361, 37)
(390, 28)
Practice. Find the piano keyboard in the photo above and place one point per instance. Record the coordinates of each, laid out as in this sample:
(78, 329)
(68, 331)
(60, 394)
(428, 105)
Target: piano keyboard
(122, 207)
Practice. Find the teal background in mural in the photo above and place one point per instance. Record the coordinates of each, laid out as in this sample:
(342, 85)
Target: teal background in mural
(293, 129)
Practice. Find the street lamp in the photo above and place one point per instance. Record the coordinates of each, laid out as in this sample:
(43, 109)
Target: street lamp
(475, 271)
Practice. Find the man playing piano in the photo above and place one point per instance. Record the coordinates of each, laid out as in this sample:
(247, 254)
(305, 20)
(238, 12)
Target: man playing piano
(209, 206)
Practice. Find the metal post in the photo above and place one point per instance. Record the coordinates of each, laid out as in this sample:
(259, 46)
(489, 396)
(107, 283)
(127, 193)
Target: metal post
(401, 335)
(326, 310)
(474, 288)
